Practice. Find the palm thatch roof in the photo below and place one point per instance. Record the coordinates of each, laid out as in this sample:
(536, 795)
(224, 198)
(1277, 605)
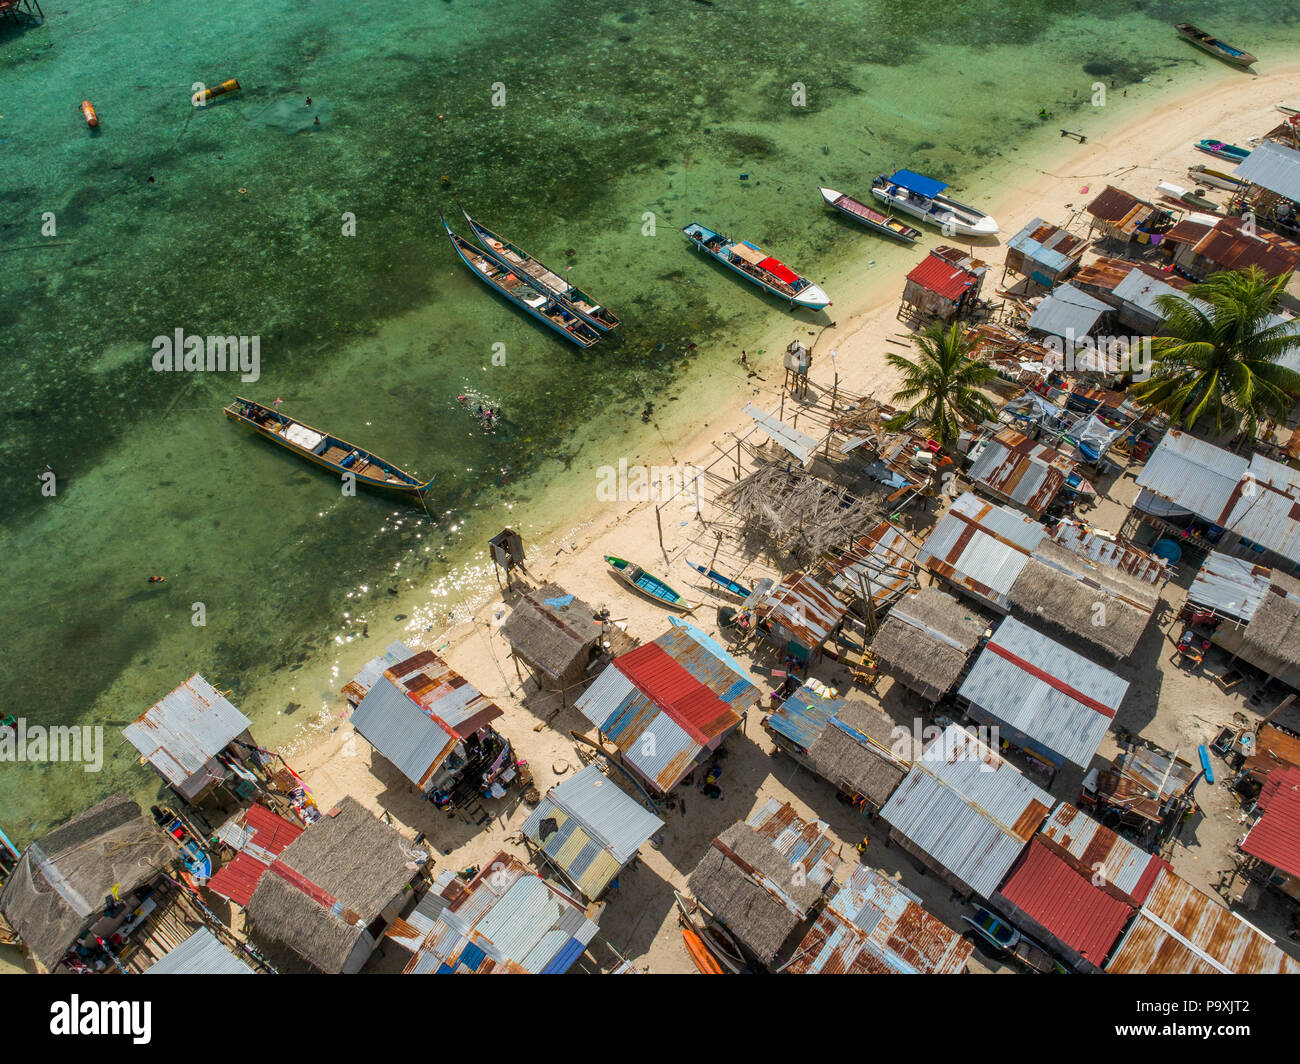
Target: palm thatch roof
(799, 513)
(351, 860)
(926, 641)
(62, 879)
(1274, 630)
(1098, 604)
(727, 881)
(872, 768)
(551, 637)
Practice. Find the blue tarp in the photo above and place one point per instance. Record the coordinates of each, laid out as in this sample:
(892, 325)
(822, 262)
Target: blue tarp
(559, 602)
(918, 183)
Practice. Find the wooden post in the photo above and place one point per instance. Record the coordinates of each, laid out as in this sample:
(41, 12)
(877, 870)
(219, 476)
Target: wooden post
(660, 526)
(1281, 706)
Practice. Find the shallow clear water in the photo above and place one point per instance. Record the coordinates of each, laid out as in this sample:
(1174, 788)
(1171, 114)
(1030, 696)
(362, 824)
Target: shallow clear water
(613, 108)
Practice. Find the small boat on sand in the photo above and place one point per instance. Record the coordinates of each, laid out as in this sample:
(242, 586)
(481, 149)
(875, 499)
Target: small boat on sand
(1213, 45)
(1220, 150)
(324, 449)
(648, 584)
(1203, 175)
(870, 217)
(1293, 111)
(520, 290)
(921, 197)
(541, 277)
(758, 267)
(1181, 195)
(726, 583)
(704, 960)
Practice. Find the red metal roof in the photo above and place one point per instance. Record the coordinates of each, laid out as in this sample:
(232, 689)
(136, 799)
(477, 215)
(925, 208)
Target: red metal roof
(941, 277)
(1275, 837)
(688, 703)
(237, 879)
(1063, 901)
(273, 833)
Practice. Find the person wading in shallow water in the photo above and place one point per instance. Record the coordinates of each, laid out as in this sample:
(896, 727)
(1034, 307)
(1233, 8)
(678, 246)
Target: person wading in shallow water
(156, 579)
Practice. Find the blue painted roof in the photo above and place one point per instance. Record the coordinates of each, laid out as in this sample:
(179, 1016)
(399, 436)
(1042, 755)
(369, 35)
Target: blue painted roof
(803, 716)
(918, 183)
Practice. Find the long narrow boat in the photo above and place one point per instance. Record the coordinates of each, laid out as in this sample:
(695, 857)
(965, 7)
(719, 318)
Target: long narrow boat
(1287, 110)
(1203, 175)
(522, 292)
(651, 586)
(1220, 150)
(758, 267)
(920, 196)
(724, 582)
(1181, 195)
(324, 449)
(704, 959)
(1213, 45)
(541, 277)
(870, 217)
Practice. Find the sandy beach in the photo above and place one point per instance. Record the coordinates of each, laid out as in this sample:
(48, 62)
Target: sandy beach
(1150, 144)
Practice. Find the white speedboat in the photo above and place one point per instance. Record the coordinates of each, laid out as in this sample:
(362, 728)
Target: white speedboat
(921, 197)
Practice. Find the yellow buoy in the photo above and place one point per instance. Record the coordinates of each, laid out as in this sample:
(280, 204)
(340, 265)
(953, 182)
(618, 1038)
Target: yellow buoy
(204, 95)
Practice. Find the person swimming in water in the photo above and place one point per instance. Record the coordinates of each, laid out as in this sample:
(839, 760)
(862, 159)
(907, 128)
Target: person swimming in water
(156, 579)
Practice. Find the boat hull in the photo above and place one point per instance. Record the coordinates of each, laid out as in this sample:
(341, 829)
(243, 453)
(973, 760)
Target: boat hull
(649, 585)
(571, 335)
(851, 208)
(1204, 176)
(1213, 46)
(413, 488)
(1228, 152)
(809, 298)
(573, 298)
(945, 215)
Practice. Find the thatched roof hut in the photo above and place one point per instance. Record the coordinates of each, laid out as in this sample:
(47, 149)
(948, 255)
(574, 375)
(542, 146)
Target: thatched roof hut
(926, 641)
(872, 768)
(110, 844)
(552, 633)
(1272, 638)
(724, 880)
(1099, 604)
(313, 907)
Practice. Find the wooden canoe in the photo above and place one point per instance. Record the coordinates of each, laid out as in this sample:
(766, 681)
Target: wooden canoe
(1213, 45)
(541, 276)
(324, 449)
(704, 960)
(653, 587)
(870, 217)
(522, 292)
(1220, 150)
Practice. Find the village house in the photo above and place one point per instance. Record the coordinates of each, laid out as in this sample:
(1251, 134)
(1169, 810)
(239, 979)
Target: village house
(764, 877)
(588, 830)
(847, 742)
(965, 812)
(1044, 253)
(324, 901)
(668, 705)
(555, 636)
(927, 641)
(944, 286)
(504, 920)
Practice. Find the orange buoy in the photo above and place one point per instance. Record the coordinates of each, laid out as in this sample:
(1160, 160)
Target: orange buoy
(205, 95)
(88, 109)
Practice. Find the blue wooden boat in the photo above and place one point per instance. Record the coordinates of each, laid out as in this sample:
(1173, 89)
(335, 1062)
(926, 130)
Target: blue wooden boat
(541, 277)
(722, 581)
(324, 449)
(758, 267)
(522, 292)
(648, 584)
(1220, 150)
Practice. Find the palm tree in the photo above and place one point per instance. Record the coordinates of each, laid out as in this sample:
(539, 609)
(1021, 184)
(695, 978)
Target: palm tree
(942, 385)
(1217, 358)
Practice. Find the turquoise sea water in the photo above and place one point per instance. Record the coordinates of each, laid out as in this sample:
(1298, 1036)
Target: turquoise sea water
(228, 220)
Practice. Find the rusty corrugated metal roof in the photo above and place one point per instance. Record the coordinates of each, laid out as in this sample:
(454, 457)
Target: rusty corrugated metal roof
(1014, 467)
(181, 733)
(1181, 931)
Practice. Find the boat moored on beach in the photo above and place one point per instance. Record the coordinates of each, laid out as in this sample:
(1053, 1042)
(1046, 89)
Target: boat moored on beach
(870, 217)
(522, 292)
(1221, 150)
(1203, 175)
(648, 584)
(1213, 45)
(324, 449)
(758, 267)
(542, 277)
(921, 197)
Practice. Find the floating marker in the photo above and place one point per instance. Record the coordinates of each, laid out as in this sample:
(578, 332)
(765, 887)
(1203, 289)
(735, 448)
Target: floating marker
(205, 95)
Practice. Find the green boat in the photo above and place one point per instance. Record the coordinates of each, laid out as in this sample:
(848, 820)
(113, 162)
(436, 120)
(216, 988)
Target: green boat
(651, 586)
